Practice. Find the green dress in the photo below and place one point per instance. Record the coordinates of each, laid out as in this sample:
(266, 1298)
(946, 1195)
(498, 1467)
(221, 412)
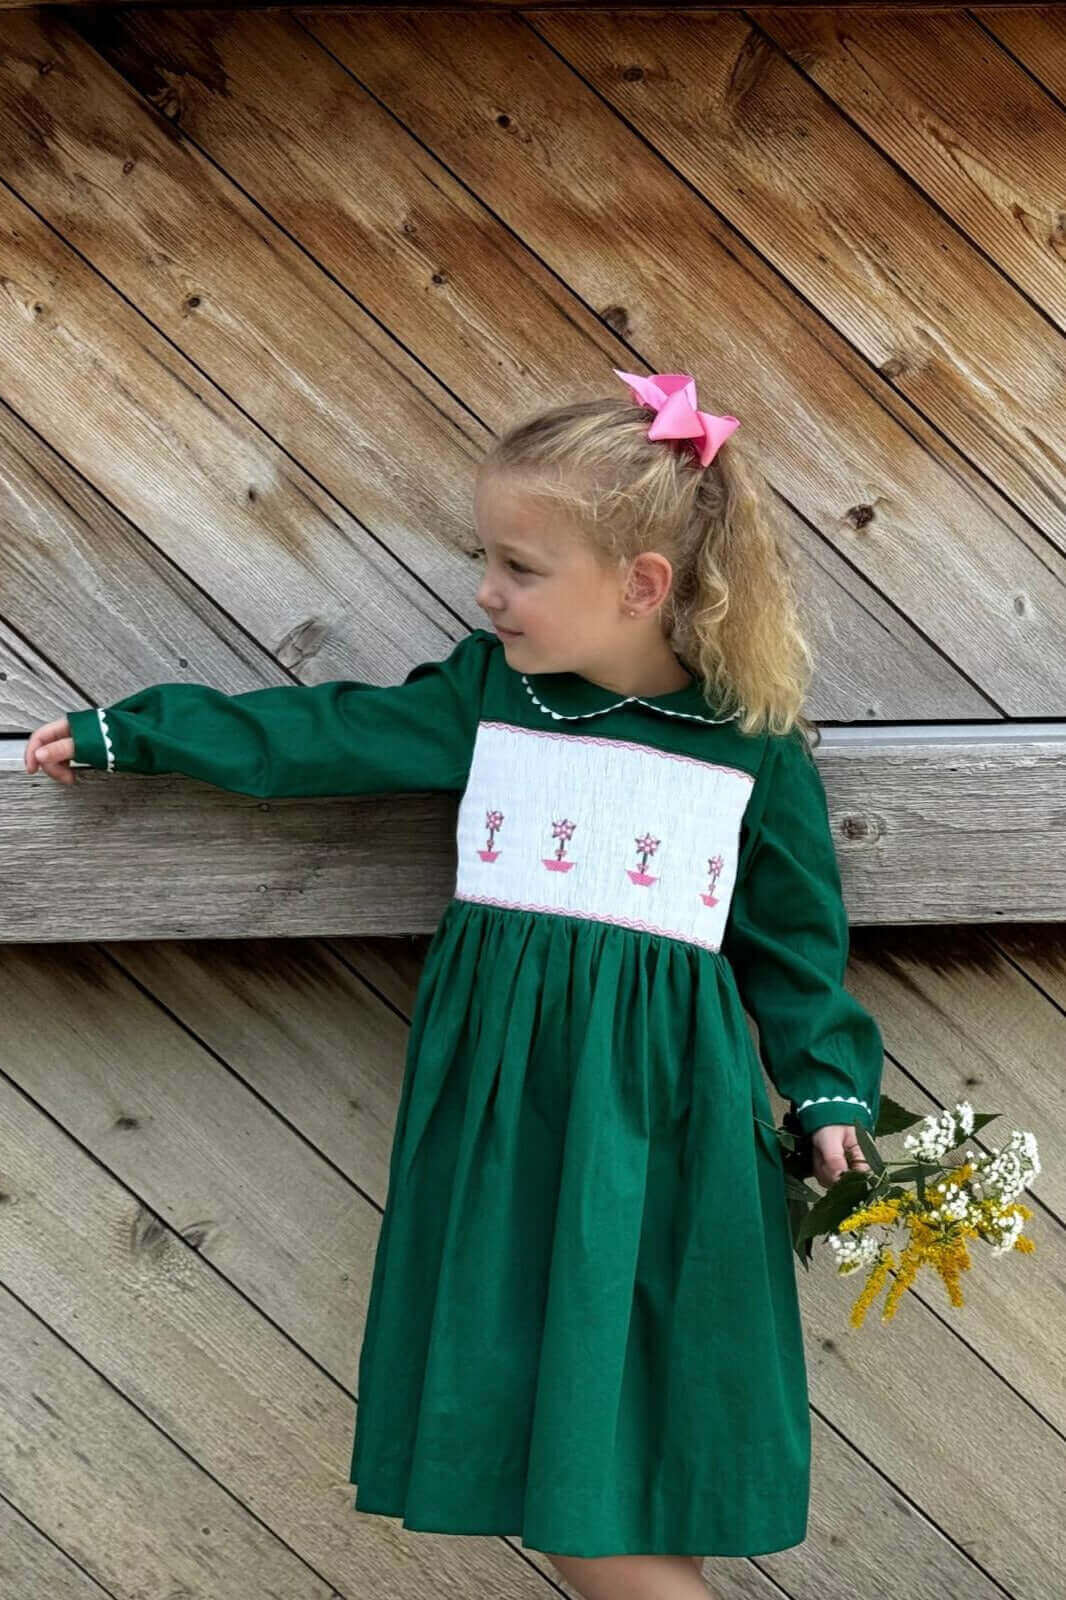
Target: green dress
(583, 1326)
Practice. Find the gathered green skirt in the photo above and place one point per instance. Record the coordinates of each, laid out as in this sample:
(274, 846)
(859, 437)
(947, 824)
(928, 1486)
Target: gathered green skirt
(583, 1326)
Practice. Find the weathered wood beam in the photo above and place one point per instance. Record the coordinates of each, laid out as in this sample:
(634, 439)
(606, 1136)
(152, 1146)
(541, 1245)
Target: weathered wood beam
(933, 824)
(550, 5)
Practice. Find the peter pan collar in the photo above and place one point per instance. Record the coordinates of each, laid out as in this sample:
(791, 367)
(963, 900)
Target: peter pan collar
(566, 696)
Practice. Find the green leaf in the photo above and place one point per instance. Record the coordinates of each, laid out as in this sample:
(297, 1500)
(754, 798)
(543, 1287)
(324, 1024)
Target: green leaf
(979, 1120)
(805, 1250)
(796, 1187)
(911, 1174)
(841, 1198)
(868, 1148)
(893, 1118)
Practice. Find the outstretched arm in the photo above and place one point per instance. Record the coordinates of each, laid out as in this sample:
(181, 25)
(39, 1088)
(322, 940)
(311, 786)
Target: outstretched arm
(344, 737)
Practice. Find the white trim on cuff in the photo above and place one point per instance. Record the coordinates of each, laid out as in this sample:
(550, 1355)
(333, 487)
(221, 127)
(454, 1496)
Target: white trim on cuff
(849, 1099)
(108, 746)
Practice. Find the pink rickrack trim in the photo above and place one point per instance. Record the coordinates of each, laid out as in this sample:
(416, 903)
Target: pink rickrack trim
(848, 1099)
(617, 744)
(108, 746)
(589, 916)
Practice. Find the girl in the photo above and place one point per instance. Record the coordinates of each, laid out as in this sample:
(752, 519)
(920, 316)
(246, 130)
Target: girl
(583, 1325)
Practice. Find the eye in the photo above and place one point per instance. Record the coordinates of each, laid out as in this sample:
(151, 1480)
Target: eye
(479, 550)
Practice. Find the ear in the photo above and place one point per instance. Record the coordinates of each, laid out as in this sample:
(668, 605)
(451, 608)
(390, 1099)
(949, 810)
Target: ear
(650, 578)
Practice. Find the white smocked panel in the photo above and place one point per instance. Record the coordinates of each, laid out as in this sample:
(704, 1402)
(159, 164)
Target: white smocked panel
(600, 828)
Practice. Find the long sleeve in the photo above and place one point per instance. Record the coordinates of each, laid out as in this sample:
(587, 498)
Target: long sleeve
(344, 737)
(787, 941)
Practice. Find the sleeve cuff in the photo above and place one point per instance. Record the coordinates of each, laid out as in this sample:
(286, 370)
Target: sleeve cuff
(840, 1108)
(92, 741)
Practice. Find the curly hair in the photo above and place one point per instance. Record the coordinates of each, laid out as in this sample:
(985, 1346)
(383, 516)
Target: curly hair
(732, 613)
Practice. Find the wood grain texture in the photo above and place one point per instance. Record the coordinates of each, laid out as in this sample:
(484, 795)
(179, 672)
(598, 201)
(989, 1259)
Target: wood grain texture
(937, 318)
(413, 246)
(926, 830)
(521, 127)
(217, 1138)
(230, 1396)
(479, 6)
(270, 280)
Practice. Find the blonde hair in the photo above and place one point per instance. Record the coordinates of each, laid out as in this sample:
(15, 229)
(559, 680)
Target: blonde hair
(732, 613)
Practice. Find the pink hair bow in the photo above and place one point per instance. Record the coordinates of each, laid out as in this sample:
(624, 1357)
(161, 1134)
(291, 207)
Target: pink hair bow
(673, 396)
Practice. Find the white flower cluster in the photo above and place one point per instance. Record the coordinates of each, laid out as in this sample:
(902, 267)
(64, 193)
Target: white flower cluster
(939, 1134)
(1001, 1176)
(998, 1175)
(855, 1250)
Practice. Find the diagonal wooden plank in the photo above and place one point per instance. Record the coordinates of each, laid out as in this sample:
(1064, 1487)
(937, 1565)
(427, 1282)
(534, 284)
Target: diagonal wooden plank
(92, 592)
(251, 1016)
(731, 113)
(562, 170)
(226, 1386)
(29, 684)
(284, 341)
(925, 1392)
(966, 123)
(308, 1035)
(108, 1280)
(552, 5)
(203, 1149)
(171, 453)
(971, 1026)
(963, 1024)
(32, 1565)
(1038, 950)
(100, 1480)
(1036, 36)
(426, 259)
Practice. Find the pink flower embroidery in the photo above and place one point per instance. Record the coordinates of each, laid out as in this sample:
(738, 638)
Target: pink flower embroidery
(714, 867)
(647, 845)
(562, 831)
(493, 822)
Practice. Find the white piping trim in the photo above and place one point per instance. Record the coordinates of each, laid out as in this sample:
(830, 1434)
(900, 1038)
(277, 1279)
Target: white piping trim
(576, 716)
(108, 746)
(849, 1099)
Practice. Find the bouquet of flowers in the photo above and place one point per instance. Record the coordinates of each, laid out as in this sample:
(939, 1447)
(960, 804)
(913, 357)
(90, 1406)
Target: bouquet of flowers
(933, 1207)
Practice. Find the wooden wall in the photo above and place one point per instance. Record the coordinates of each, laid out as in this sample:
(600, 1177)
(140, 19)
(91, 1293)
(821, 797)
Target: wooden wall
(270, 281)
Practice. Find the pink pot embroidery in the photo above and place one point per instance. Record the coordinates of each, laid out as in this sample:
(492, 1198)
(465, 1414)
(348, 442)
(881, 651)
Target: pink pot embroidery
(646, 846)
(561, 831)
(714, 867)
(493, 822)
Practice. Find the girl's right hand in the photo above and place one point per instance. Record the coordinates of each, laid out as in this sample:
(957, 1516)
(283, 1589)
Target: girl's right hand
(49, 750)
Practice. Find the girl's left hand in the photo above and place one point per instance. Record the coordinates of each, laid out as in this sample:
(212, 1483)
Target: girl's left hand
(836, 1150)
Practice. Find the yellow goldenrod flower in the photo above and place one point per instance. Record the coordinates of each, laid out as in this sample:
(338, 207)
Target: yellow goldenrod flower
(977, 1199)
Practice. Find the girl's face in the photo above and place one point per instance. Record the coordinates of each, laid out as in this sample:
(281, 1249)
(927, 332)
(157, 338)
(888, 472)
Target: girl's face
(554, 605)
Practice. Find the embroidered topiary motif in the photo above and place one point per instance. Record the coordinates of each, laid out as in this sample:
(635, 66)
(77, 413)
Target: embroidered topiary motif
(647, 846)
(562, 831)
(493, 822)
(714, 867)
